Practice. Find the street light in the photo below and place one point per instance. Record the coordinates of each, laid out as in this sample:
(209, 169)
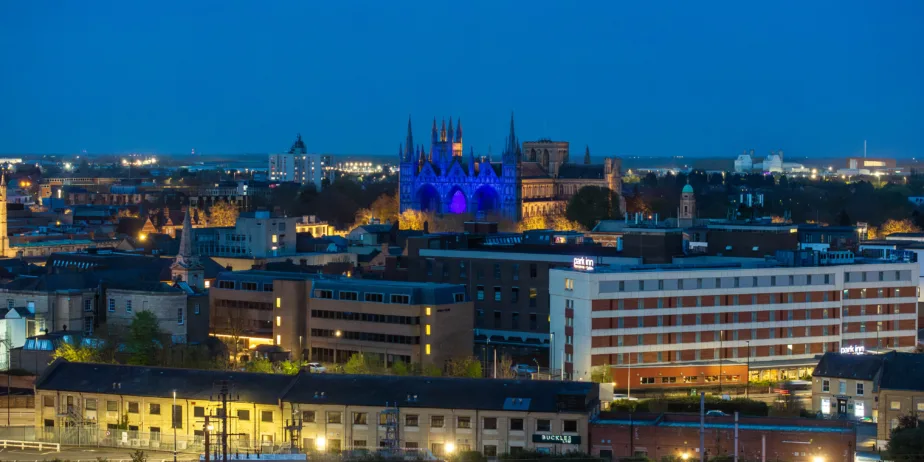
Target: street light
(685, 456)
(449, 448)
(173, 418)
(320, 443)
(818, 459)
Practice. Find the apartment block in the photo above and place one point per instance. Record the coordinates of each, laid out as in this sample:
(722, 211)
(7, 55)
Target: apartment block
(773, 315)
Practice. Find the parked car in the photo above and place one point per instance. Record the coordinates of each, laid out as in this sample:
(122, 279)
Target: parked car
(716, 413)
(523, 369)
(316, 368)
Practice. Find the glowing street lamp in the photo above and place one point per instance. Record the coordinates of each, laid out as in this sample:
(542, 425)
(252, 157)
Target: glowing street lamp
(320, 443)
(449, 448)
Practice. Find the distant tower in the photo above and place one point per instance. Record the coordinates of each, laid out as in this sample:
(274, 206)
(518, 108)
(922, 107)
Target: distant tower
(511, 177)
(4, 240)
(586, 155)
(187, 267)
(687, 207)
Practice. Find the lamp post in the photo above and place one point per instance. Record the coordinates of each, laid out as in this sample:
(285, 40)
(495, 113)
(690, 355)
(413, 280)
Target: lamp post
(173, 419)
(747, 380)
(337, 335)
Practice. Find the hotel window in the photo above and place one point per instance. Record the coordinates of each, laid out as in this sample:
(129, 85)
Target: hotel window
(699, 319)
(737, 282)
(827, 279)
(660, 321)
(497, 294)
(375, 298)
(699, 283)
(772, 280)
(463, 422)
(773, 315)
(570, 426)
(154, 409)
(436, 421)
(895, 405)
(880, 292)
(699, 336)
(516, 424)
(699, 301)
(640, 339)
(360, 418)
(479, 293)
(111, 305)
(349, 295)
(660, 284)
(427, 348)
(641, 304)
(660, 339)
(718, 318)
(321, 293)
(622, 286)
(128, 306)
(753, 334)
(859, 389)
(410, 420)
(718, 283)
(789, 332)
(619, 340)
(620, 323)
(278, 302)
(179, 316)
(734, 300)
(514, 294)
(772, 333)
(334, 417)
(516, 272)
(641, 321)
(533, 294)
(533, 271)
(735, 317)
(620, 304)
(569, 284)
(824, 330)
(678, 321)
(543, 425)
(792, 280)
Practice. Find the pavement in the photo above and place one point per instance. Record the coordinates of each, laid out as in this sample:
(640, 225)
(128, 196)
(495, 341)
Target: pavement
(73, 454)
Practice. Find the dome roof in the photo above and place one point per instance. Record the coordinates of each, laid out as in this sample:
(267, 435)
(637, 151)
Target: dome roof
(687, 189)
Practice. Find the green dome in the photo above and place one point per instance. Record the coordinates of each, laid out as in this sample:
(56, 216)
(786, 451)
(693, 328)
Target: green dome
(687, 189)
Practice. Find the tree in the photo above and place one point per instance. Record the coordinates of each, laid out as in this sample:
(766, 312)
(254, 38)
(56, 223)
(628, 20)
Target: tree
(898, 226)
(261, 365)
(413, 220)
(222, 214)
(602, 374)
(76, 354)
(505, 368)
(289, 367)
(533, 222)
(465, 367)
(562, 223)
(385, 207)
(363, 364)
(431, 370)
(144, 339)
(400, 368)
(592, 204)
(842, 218)
(906, 443)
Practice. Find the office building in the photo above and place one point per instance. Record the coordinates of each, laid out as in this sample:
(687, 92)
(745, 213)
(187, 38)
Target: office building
(297, 166)
(774, 316)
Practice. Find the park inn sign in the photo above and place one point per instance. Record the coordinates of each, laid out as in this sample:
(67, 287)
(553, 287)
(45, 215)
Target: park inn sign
(583, 263)
(557, 439)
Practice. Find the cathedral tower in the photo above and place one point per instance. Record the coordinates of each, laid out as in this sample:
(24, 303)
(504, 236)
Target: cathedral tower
(187, 267)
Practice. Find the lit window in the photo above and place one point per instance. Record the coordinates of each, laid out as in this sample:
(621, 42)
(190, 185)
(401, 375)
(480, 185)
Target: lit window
(207, 284)
(278, 321)
(278, 339)
(895, 405)
(428, 349)
(569, 284)
(275, 238)
(428, 329)
(278, 302)
(428, 311)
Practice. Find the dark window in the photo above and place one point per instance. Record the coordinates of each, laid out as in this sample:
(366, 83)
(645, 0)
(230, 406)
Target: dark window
(308, 416)
(514, 294)
(376, 298)
(436, 421)
(347, 295)
(334, 417)
(570, 426)
(533, 321)
(497, 319)
(154, 409)
(267, 286)
(543, 425)
(516, 424)
(400, 298)
(533, 270)
(459, 297)
(198, 411)
(132, 407)
(497, 271)
(533, 295)
(48, 401)
(323, 293)
(497, 294)
(515, 320)
(516, 272)
(464, 422)
(178, 416)
(479, 293)
(243, 414)
(410, 420)
(490, 423)
(490, 450)
(266, 416)
(112, 406)
(251, 286)
(225, 284)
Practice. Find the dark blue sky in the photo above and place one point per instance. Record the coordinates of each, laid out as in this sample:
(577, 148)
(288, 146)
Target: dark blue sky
(628, 78)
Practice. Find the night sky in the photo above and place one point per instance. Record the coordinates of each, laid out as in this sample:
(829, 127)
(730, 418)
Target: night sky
(664, 78)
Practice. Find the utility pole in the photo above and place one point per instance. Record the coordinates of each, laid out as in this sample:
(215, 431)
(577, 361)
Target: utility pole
(294, 427)
(702, 426)
(207, 433)
(736, 436)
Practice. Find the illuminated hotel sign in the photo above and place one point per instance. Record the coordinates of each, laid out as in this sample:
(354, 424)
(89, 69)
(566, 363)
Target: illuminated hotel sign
(583, 263)
(558, 439)
(853, 350)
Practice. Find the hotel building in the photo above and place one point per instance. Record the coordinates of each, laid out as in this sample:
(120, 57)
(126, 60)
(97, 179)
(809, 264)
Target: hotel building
(774, 316)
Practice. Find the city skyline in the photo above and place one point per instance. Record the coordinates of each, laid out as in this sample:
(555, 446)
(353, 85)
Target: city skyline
(627, 80)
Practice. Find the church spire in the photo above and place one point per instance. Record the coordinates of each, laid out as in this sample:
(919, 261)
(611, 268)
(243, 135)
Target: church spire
(443, 131)
(450, 137)
(471, 161)
(511, 151)
(586, 155)
(433, 133)
(459, 130)
(409, 142)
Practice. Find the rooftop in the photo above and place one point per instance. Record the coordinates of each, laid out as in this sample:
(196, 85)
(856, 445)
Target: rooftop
(859, 367)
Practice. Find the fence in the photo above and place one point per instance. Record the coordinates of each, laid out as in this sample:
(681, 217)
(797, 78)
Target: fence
(94, 436)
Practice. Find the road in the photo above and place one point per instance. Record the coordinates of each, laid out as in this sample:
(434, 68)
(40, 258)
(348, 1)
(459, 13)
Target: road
(90, 455)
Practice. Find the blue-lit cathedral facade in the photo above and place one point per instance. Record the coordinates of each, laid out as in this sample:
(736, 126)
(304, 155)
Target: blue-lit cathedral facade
(444, 180)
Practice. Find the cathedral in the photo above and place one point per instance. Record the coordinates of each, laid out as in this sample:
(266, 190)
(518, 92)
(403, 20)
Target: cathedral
(541, 182)
(444, 181)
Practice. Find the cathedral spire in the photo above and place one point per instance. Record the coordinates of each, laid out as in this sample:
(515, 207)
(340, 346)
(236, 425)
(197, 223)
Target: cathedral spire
(433, 133)
(586, 155)
(511, 151)
(459, 130)
(471, 161)
(401, 155)
(450, 137)
(443, 131)
(409, 142)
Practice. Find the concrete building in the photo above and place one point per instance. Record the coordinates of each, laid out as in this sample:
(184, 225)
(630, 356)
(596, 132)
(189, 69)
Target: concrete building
(128, 406)
(331, 319)
(297, 166)
(303, 313)
(255, 235)
(775, 316)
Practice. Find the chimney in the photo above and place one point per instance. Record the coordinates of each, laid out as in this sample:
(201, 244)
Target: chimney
(426, 228)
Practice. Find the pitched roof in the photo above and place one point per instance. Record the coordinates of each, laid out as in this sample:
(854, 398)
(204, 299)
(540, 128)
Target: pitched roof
(844, 366)
(575, 171)
(444, 392)
(160, 381)
(532, 170)
(902, 371)
(121, 279)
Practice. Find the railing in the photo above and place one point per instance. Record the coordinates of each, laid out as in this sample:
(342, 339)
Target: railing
(30, 445)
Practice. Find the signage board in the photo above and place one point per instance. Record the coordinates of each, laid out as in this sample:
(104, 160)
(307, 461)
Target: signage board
(853, 350)
(557, 439)
(583, 263)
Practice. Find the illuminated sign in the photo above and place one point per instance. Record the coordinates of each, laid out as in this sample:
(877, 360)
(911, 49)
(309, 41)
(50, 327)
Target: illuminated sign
(853, 350)
(583, 263)
(557, 439)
